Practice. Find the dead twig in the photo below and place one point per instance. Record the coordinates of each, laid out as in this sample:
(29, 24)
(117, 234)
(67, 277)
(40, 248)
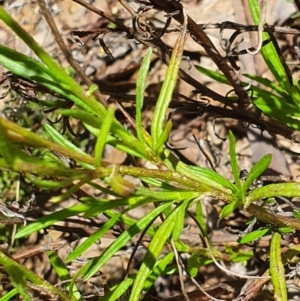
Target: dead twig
(66, 51)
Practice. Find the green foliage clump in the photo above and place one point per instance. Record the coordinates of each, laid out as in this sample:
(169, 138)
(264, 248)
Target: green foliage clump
(159, 187)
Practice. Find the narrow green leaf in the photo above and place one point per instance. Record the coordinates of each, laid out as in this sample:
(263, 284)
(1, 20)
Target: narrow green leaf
(285, 229)
(166, 195)
(158, 270)
(9, 295)
(295, 95)
(229, 208)
(206, 174)
(126, 148)
(278, 109)
(164, 136)
(117, 143)
(258, 168)
(288, 98)
(58, 138)
(167, 89)
(92, 89)
(277, 269)
(131, 141)
(128, 221)
(233, 162)
(81, 115)
(207, 183)
(296, 214)
(182, 247)
(157, 243)
(93, 238)
(24, 66)
(31, 43)
(97, 206)
(193, 265)
(219, 77)
(276, 106)
(160, 184)
(119, 291)
(102, 137)
(140, 91)
(59, 266)
(268, 83)
(269, 52)
(274, 64)
(50, 219)
(254, 235)
(180, 218)
(94, 265)
(200, 218)
(273, 190)
(241, 256)
(63, 274)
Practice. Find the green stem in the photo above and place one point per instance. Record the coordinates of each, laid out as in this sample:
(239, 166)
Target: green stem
(11, 265)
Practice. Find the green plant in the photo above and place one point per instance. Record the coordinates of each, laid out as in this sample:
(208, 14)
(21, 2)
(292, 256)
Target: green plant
(278, 100)
(171, 189)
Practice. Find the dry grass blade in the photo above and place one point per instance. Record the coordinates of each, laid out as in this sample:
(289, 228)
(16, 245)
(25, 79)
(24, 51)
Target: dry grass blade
(263, 12)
